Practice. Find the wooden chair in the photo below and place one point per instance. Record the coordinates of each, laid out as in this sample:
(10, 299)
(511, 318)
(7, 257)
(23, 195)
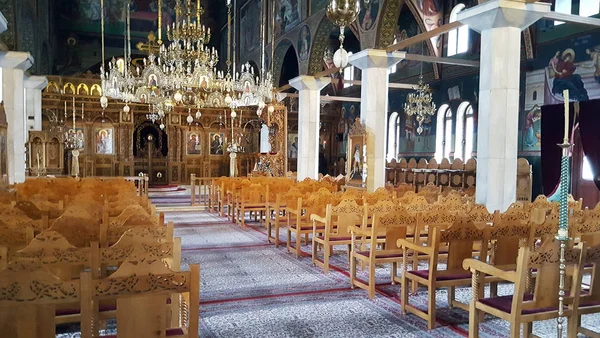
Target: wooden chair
(587, 302)
(523, 308)
(338, 221)
(277, 213)
(299, 218)
(391, 226)
(460, 239)
(251, 199)
(29, 295)
(141, 288)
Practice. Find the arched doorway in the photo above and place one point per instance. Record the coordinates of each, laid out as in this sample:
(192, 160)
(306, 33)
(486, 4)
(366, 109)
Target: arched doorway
(150, 149)
(289, 69)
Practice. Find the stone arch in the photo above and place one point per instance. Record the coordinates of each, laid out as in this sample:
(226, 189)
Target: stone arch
(278, 56)
(320, 41)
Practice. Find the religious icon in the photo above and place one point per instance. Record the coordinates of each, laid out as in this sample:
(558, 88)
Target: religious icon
(562, 68)
(293, 145)
(193, 144)
(356, 163)
(216, 143)
(152, 80)
(104, 141)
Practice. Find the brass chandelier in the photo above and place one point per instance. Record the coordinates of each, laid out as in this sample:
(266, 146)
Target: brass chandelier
(420, 103)
(183, 72)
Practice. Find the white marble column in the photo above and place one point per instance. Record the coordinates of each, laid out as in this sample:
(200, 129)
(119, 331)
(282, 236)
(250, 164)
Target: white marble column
(374, 64)
(500, 23)
(33, 102)
(309, 110)
(14, 65)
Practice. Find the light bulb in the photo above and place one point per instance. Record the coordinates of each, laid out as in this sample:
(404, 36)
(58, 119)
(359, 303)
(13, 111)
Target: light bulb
(162, 126)
(340, 58)
(126, 109)
(233, 114)
(227, 99)
(271, 108)
(178, 97)
(104, 101)
(190, 119)
(198, 114)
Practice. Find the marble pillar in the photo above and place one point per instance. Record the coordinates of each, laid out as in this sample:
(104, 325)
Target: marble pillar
(33, 102)
(500, 23)
(14, 65)
(309, 110)
(374, 65)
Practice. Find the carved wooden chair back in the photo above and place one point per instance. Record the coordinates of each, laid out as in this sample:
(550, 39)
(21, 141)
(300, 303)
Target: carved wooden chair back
(392, 226)
(340, 218)
(510, 228)
(29, 295)
(14, 238)
(79, 231)
(142, 309)
(587, 302)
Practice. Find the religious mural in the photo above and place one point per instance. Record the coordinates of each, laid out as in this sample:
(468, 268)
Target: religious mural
(288, 14)
(193, 144)
(104, 141)
(532, 129)
(304, 43)
(317, 5)
(250, 25)
(408, 27)
(85, 15)
(432, 15)
(217, 143)
(368, 14)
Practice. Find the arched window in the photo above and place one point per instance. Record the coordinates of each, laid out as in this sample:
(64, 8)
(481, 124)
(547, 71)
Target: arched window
(265, 146)
(463, 144)
(448, 133)
(443, 128)
(1, 97)
(458, 39)
(393, 136)
(348, 73)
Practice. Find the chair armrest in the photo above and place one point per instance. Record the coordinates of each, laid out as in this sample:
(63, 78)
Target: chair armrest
(412, 246)
(490, 270)
(317, 218)
(358, 231)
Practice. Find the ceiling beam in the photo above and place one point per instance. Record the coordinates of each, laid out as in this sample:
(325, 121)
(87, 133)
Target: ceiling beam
(570, 18)
(423, 36)
(443, 60)
(328, 98)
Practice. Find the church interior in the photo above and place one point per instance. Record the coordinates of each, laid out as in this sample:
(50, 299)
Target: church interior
(299, 168)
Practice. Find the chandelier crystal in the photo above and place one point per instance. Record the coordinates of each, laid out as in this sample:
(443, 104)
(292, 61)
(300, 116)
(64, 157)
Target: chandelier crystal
(420, 103)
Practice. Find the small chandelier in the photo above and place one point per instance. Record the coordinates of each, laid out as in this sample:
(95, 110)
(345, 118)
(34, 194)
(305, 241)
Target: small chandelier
(420, 103)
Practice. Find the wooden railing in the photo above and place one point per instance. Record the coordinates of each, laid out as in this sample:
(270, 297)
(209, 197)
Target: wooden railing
(203, 186)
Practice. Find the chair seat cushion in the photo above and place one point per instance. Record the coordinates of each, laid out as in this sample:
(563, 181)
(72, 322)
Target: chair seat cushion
(76, 311)
(306, 227)
(425, 274)
(335, 239)
(380, 255)
(177, 331)
(504, 304)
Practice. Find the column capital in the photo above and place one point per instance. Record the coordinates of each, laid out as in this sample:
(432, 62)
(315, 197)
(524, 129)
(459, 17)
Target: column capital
(3, 23)
(375, 58)
(503, 13)
(309, 82)
(35, 82)
(16, 60)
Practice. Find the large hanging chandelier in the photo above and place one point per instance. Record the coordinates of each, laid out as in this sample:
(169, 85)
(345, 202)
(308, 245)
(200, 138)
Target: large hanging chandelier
(420, 103)
(183, 71)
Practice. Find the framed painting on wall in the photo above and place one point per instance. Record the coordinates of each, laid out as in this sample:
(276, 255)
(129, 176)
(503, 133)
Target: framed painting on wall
(193, 144)
(104, 141)
(216, 144)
